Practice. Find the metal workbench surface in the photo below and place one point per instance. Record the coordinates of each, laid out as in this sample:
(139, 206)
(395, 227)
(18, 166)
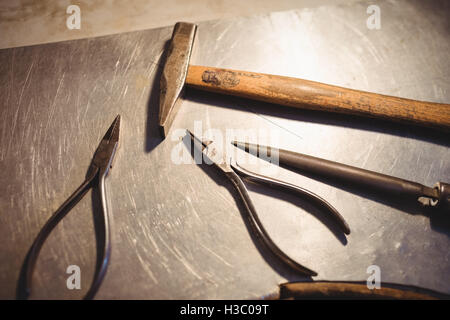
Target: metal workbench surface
(177, 229)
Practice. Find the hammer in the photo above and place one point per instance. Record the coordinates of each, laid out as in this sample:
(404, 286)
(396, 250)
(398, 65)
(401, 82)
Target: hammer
(281, 90)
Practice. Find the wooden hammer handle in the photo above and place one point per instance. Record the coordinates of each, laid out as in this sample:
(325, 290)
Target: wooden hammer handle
(300, 93)
(355, 290)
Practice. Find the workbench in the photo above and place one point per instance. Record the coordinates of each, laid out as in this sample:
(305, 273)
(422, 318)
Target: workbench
(177, 229)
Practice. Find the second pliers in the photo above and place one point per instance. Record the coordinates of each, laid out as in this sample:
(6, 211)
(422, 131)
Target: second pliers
(212, 155)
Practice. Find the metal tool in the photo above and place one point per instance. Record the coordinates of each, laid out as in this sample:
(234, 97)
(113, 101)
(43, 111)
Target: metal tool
(280, 90)
(436, 197)
(232, 171)
(97, 172)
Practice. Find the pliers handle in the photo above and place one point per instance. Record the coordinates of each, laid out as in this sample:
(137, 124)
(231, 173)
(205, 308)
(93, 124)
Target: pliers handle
(256, 224)
(95, 177)
(213, 155)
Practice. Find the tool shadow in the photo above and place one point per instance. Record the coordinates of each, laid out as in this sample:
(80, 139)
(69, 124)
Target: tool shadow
(153, 135)
(265, 253)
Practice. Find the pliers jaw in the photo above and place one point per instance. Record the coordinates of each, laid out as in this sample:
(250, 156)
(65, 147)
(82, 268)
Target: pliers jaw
(211, 154)
(106, 150)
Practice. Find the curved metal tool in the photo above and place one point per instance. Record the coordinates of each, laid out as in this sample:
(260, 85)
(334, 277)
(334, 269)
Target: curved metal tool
(97, 172)
(302, 192)
(213, 156)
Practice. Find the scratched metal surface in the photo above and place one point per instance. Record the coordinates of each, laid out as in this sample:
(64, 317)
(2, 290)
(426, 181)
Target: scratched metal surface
(177, 230)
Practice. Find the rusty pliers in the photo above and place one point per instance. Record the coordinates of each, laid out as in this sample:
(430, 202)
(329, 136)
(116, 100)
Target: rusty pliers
(232, 171)
(97, 172)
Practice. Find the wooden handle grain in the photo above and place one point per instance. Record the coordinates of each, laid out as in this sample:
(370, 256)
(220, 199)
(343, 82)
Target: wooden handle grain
(306, 94)
(355, 290)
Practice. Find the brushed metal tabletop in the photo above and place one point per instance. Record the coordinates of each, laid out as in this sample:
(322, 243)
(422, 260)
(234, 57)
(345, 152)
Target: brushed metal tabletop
(177, 229)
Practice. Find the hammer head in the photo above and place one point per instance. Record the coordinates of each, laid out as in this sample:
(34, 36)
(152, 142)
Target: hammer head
(174, 73)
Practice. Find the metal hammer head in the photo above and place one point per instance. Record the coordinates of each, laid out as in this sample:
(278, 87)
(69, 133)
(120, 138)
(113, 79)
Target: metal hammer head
(174, 73)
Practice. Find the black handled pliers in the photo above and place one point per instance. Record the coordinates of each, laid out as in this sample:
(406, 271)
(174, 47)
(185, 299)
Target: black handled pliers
(213, 156)
(97, 172)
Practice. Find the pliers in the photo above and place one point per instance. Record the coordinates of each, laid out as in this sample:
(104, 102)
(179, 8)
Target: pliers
(213, 156)
(96, 174)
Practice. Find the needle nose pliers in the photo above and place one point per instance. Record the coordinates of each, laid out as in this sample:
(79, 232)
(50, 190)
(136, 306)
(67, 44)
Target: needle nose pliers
(97, 172)
(213, 156)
